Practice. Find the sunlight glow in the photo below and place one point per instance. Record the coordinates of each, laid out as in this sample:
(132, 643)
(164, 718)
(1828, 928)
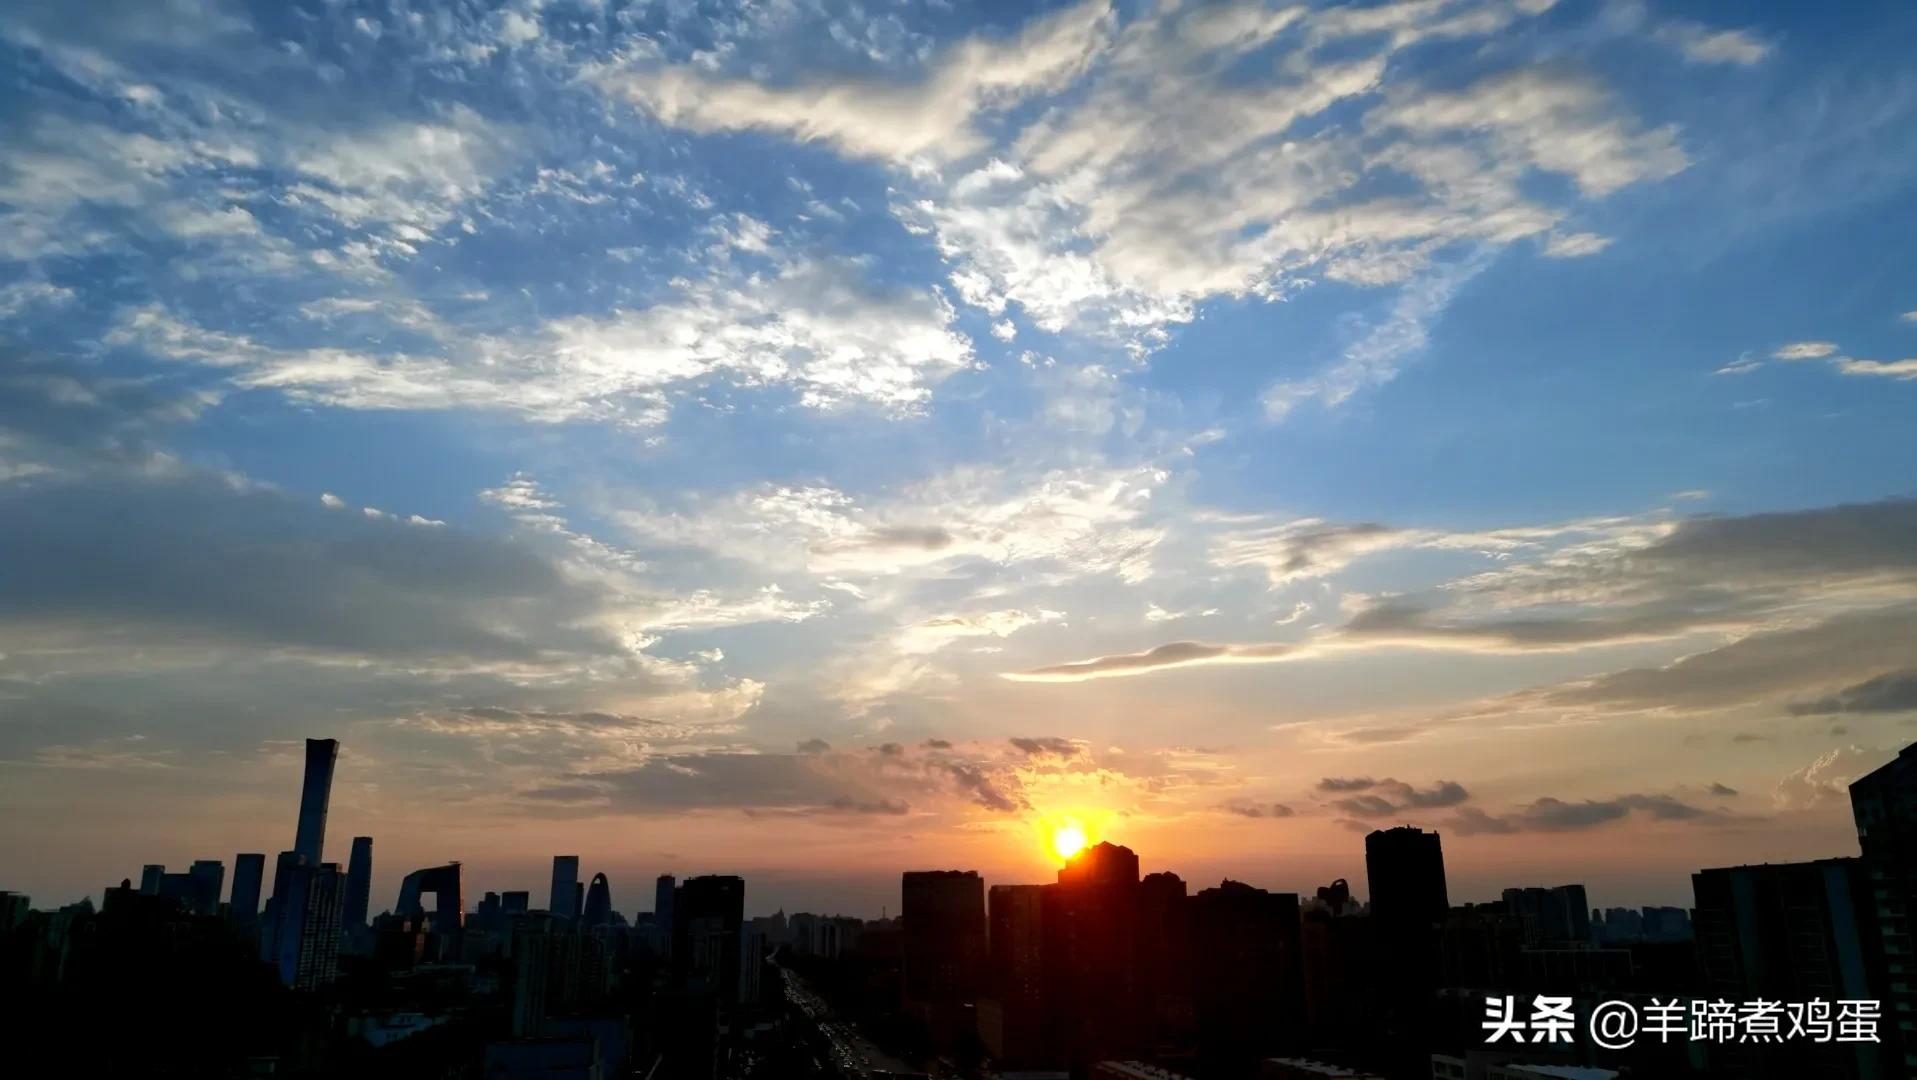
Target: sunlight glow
(1068, 840)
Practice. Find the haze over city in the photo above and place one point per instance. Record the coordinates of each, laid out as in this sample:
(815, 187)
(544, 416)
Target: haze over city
(811, 442)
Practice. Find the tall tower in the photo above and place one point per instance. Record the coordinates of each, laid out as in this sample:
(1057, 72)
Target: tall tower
(249, 871)
(598, 902)
(359, 883)
(315, 794)
(563, 900)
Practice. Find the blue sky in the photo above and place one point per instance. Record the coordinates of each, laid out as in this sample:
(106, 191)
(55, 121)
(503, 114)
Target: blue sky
(629, 425)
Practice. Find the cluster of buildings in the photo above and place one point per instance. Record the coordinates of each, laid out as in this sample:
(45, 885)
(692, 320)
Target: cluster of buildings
(1105, 972)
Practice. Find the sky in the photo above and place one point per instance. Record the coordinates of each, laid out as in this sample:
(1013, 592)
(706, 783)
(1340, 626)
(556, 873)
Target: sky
(816, 440)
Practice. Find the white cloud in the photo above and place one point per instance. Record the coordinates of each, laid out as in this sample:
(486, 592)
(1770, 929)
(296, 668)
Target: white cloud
(22, 295)
(1804, 350)
(815, 327)
(1557, 123)
(1704, 45)
(1575, 245)
(1902, 370)
(869, 118)
(1375, 359)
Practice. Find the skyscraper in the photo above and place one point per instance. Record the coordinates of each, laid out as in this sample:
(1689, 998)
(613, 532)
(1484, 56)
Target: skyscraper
(1011, 1017)
(150, 876)
(708, 912)
(447, 884)
(598, 910)
(316, 792)
(249, 869)
(563, 900)
(1884, 806)
(206, 877)
(1406, 869)
(1408, 905)
(943, 920)
(1091, 946)
(1792, 932)
(663, 891)
(304, 931)
(1248, 954)
(359, 883)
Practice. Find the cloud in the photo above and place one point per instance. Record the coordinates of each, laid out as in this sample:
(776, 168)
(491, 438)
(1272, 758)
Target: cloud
(1826, 779)
(817, 328)
(1384, 798)
(1550, 814)
(1902, 370)
(1894, 691)
(1174, 655)
(1804, 350)
(871, 117)
(1051, 746)
(1722, 790)
(1705, 45)
(1557, 122)
(1257, 811)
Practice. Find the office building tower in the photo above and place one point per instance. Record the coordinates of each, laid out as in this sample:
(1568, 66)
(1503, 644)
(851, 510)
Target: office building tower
(303, 941)
(207, 878)
(447, 884)
(150, 876)
(249, 871)
(563, 900)
(663, 891)
(942, 919)
(359, 883)
(1165, 958)
(1792, 932)
(316, 792)
(532, 934)
(320, 928)
(1091, 942)
(943, 923)
(707, 914)
(598, 909)
(516, 902)
(1554, 916)
(1011, 1017)
(1247, 955)
(1409, 903)
(1406, 868)
(1884, 807)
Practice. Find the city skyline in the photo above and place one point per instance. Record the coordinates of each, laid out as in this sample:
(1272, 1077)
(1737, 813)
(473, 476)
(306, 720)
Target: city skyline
(815, 441)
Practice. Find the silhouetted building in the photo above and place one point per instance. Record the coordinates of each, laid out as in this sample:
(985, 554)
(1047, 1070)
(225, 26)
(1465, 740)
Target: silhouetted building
(1409, 902)
(515, 902)
(708, 913)
(359, 883)
(943, 917)
(531, 968)
(1248, 971)
(1092, 963)
(249, 871)
(1011, 1017)
(447, 884)
(1884, 806)
(662, 893)
(303, 938)
(1554, 915)
(1405, 866)
(1165, 960)
(563, 899)
(316, 792)
(1790, 932)
(150, 876)
(598, 910)
(208, 879)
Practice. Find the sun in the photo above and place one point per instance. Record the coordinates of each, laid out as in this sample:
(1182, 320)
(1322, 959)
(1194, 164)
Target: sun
(1067, 841)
